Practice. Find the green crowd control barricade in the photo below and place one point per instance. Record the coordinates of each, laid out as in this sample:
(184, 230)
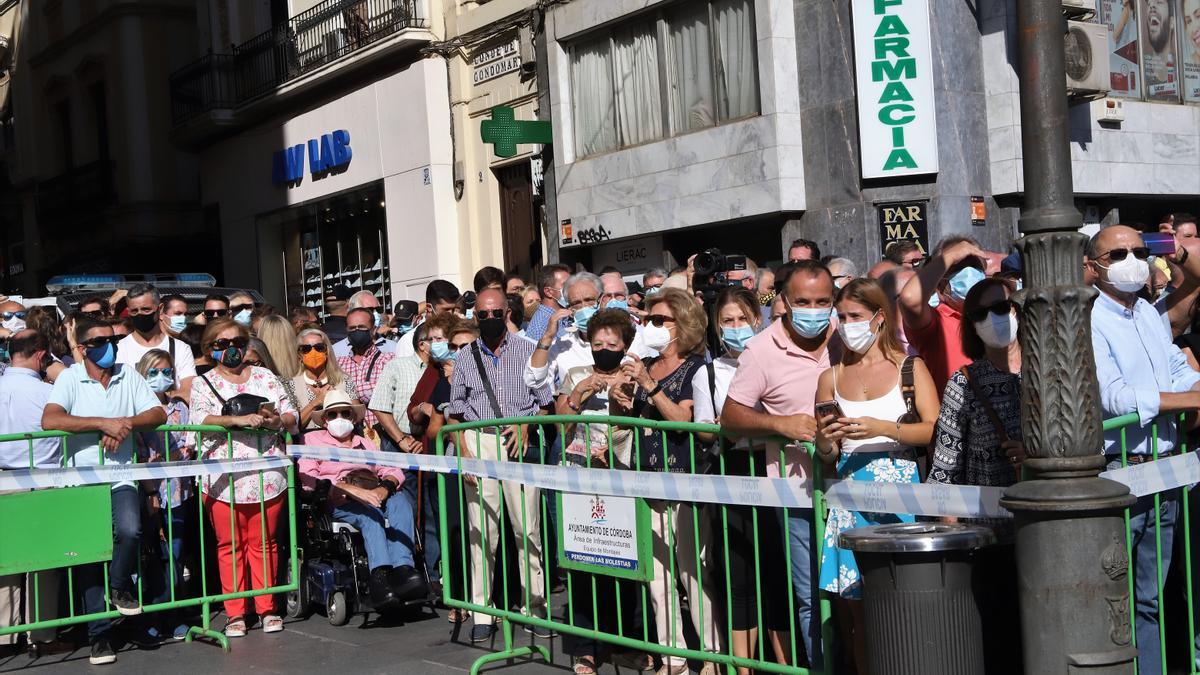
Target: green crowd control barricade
(52, 533)
(625, 557)
(1175, 617)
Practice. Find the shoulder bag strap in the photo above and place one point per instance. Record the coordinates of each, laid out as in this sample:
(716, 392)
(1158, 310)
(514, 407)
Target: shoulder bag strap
(712, 383)
(986, 404)
(214, 389)
(487, 383)
(371, 366)
(171, 348)
(908, 386)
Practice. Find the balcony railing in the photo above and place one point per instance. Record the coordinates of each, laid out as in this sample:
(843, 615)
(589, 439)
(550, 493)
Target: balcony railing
(304, 43)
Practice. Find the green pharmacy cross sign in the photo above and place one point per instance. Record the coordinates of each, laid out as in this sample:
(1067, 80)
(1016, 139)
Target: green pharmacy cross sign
(504, 131)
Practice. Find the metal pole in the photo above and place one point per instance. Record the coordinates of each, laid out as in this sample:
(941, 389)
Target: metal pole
(1072, 564)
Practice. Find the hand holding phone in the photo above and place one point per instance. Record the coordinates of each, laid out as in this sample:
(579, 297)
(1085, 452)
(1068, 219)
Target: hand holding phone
(267, 408)
(826, 408)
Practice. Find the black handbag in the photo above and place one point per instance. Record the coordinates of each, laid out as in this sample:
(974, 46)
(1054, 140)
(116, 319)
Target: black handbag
(242, 404)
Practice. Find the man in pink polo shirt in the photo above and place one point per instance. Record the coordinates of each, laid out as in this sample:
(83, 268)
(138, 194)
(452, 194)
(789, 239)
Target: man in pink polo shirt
(773, 394)
(956, 265)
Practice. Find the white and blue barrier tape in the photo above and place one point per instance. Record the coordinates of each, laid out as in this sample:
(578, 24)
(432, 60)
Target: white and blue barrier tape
(925, 499)
(69, 476)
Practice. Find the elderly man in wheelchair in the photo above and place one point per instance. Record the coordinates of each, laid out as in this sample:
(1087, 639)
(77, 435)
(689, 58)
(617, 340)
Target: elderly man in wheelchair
(366, 498)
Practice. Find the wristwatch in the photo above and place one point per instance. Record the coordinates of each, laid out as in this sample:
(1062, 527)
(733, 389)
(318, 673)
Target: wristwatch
(1182, 256)
(541, 347)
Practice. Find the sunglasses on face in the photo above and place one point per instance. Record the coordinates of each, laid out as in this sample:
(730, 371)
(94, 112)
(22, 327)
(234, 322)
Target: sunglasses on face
(155, 372)
(320, 346)
(489, 314)
(1119, 254)
(344, 413)
(8, 315)
(454, 347)
(226, 343)
(142, 311)
(659, 319)
(999, 308)
(215, 313)
(97, 342)
(238, 308)
(94, 314)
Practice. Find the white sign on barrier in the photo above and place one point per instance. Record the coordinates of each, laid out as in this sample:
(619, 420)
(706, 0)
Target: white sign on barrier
(600, 531)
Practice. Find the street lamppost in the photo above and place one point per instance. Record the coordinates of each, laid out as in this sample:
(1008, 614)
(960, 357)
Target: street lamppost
(1071, 559)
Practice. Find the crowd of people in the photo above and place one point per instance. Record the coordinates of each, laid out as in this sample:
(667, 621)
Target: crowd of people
(908, 373)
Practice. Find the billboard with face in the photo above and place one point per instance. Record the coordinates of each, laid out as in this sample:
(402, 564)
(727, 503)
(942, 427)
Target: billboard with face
(1190, 57)
(1160, 61)
(1125, 77)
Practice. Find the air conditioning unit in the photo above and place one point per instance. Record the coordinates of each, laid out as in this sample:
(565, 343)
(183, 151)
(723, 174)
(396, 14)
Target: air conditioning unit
(1086, 47)
(525, 49)
(1079, 9)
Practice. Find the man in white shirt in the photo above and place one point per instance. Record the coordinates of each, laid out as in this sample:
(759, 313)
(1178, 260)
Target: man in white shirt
(145, 313)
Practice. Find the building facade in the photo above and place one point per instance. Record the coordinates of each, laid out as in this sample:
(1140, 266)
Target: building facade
(92, 182)
(744, 124)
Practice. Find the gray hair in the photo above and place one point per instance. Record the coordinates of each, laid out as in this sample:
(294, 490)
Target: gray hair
(654, 272)
(356, 299)
(847, 267)
(582, 277)
(138, 290)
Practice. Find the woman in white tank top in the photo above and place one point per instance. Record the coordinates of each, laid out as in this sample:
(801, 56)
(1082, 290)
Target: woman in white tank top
(873, 438)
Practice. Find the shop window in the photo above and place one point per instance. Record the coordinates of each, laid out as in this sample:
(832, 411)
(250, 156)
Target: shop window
(338, 240)
(688, 67)
(1154, 48)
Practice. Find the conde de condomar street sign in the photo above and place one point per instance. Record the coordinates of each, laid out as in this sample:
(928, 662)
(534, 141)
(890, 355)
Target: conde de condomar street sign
(897, 121)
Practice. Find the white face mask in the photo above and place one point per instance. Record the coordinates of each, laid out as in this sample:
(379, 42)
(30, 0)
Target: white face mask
(1128, 275)
(656, 337)
(14, 325)
(997, 330)
(339, 427)
(859, 335)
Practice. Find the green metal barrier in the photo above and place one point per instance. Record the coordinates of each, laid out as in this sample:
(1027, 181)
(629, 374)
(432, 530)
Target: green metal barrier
(19, 546)
(1170, 650)
(589, 594)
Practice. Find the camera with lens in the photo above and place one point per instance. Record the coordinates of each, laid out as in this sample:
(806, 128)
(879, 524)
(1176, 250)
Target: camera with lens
(712, 270)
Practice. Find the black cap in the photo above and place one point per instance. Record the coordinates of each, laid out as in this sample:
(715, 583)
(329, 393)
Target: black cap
(405, 311)
(339, 292)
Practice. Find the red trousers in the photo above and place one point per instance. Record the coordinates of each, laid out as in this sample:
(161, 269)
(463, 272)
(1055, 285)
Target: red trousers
(251, 551)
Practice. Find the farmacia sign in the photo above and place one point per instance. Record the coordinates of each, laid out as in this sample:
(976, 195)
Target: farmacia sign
(897, 122)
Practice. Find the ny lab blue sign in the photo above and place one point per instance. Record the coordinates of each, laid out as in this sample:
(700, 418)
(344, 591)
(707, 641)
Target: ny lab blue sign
(326, 155)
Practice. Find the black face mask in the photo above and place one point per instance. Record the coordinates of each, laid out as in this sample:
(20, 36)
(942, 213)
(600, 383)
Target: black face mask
(607, 360)
(144, 323)
(492, 329)
(359, 339)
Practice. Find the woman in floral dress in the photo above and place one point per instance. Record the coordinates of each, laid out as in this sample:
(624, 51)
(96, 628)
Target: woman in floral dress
(874, 436)
(225, 342)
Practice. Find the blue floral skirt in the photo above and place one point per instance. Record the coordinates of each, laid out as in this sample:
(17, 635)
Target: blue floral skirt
(839, 571)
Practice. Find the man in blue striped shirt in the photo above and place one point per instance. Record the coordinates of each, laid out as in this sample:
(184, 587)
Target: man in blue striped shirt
(487, 385)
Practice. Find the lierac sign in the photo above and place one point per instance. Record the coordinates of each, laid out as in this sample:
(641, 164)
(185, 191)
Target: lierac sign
(897, 122)
(326, 155)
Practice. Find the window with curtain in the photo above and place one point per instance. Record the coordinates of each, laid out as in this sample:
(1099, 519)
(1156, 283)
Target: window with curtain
(690, 66)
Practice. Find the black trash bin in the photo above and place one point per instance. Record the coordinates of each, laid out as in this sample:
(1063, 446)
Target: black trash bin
(918, 603)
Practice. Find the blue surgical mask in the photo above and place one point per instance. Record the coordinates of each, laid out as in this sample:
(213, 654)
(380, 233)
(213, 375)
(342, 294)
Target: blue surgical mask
(405, 328)
(811, 322)
(177, 323)
(160, 383)
(934, 300)
(440, 351)
(378, 318)
(562, 298)
(617, 304)
(735, 339)
(103, 357)
(652, 290)
(242, 317)
(582, 317)
(1020, 284)
(962, 282)
(470, 313)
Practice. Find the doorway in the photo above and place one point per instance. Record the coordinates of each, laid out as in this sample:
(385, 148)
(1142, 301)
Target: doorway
(521, 234)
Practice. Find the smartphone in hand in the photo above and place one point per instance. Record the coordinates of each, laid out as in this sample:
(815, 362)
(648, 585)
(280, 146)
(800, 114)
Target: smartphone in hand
(267, 409)
(1159, 243)
(826, 408)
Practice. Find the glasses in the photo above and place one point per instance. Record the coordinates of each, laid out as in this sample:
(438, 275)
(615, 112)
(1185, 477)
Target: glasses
(344, 413)
(98, 342)
(94, 314)
(225, 343)
(1119, 254)
(155, 372)
(8, 315)
(240, 308)
(453, 347)
(489, 314)
(253, 362)
(320, 346)
(999, 308)
(215, 313)
(659, 319)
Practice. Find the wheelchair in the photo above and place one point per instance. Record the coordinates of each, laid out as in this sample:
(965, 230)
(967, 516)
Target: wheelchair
(334, 571)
